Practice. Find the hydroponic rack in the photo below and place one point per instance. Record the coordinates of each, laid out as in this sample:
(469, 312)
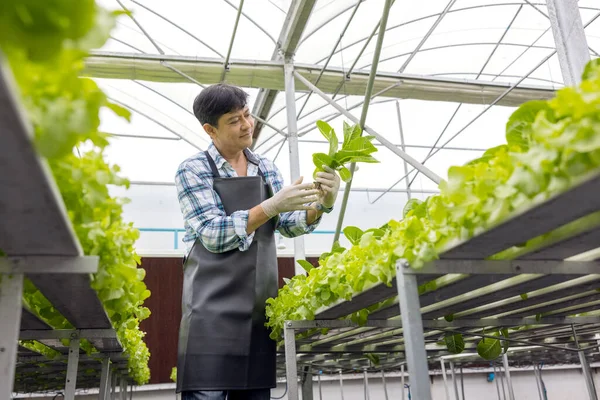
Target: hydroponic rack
(38, 242)
(479, 293)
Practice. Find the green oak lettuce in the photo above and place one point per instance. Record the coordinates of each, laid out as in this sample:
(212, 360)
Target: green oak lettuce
(550, 146)
(45, 43)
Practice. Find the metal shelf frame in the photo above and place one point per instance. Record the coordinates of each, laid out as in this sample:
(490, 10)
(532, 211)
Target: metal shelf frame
(38, 243)
(544, 290)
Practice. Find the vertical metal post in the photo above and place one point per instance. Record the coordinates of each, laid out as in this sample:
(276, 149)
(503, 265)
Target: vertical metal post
(500, 374)
(306, 381)
(341, 385)
(366, 384)
(403, 146)
(290, 361)
(443, 363)
(537, 382)
(123, 389)
(113, 385)
(11, 292)
(462, 383)
(290, 101)
(589, 382)
(104, 379)
(402, 379)
(496, 380)
(72, 366)
(511, 392)
(384, 384)
(569, 38)
(410, 311)
(454, 383)
(319, 382)
(363, 117)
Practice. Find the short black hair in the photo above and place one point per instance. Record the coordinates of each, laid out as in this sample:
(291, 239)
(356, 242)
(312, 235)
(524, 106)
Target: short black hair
(216, 100)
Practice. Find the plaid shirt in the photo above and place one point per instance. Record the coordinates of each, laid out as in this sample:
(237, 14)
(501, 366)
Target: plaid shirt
(203, 211)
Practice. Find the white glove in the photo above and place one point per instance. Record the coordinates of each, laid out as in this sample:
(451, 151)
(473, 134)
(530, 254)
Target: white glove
(291, 198)
(330, 185)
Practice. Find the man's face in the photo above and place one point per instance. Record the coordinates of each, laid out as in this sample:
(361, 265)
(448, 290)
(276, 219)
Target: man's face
(234, 130)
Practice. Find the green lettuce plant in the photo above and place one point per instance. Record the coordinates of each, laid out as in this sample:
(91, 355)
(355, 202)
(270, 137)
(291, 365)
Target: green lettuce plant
(355, 148)
(550, 146)
(44, 44)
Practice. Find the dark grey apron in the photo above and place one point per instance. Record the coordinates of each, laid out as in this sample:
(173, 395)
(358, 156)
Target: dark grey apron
(223, 343)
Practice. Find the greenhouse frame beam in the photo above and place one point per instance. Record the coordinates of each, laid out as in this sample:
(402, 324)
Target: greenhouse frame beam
(270, 75)
(365, 110)
(289, 38)
(232, 41)
(427, 35)
(176, 26)
(292, 137)
(570, 39)
(192, 80)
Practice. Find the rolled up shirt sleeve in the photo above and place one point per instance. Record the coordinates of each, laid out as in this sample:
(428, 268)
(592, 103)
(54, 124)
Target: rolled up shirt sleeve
(204, 214)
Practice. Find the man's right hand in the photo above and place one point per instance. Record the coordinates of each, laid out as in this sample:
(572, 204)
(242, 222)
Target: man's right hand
(291, 198)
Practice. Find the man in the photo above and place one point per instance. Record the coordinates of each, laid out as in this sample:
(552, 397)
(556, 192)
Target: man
(232, 201)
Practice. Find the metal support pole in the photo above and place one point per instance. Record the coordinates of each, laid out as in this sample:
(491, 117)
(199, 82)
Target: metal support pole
(113, 385)
(384, 384)
(365, 109)
(123, 389)
(462, 383)
(511, 392)
(366, 384)
(402, 379)
(589, 381)
(403, 147)
(306, 381)
(496, 380)
(11, 292)
(569, 38)
(290, 362)
(235, 27)
(500, 374)
(104, 379)
(413, 332)
(454, 383)
(443, 363)
(320, 390)
(342, 385)
(107, 394)
(537, 382)
(72, 366)
(290, 100)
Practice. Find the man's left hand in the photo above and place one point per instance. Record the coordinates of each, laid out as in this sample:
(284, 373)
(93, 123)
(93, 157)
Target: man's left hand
(330, 185)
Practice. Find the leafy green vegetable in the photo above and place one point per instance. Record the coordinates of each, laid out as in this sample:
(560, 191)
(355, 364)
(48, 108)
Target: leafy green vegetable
(356, 148)
(353, 234)
(45, 43)
(305, 265)
(551, 146)
(454, 342)
(489, 349)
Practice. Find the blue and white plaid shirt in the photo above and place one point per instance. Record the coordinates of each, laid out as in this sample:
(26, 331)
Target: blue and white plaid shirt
(203, 210)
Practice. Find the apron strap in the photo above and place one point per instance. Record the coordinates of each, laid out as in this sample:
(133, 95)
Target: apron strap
(215, 171)
(213, 166)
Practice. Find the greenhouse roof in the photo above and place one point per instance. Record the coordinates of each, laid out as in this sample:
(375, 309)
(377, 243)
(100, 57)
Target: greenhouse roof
(449, 74)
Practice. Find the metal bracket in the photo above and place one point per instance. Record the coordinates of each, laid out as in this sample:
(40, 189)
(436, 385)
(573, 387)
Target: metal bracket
(68, 334)
(507, 267)
(49, 264)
